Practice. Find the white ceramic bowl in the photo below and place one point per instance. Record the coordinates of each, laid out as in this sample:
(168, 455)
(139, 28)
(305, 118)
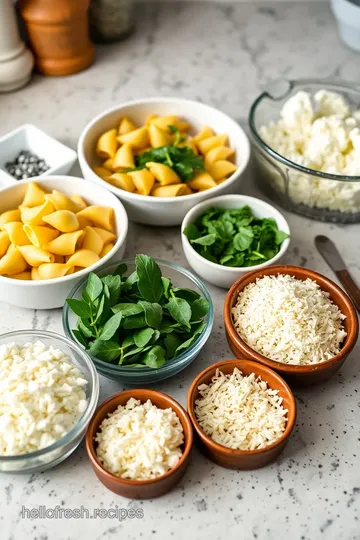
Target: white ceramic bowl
(170, 210)
(60, 158)
(225, 276)
(52, 293)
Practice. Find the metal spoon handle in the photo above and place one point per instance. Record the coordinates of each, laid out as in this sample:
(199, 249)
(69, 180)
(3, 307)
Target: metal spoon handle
(350, 287)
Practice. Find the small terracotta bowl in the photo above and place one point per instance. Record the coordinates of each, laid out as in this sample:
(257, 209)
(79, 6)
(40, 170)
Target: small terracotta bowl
(140, 489)
(242, 459)
(295, 375)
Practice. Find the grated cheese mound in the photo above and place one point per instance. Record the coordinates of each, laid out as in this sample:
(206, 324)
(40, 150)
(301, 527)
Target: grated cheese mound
(41, 397)
(320, 132)
(140, 441)
(289, 320)
(240, 412)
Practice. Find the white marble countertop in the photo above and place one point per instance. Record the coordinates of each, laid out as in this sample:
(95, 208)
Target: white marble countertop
(220, 54)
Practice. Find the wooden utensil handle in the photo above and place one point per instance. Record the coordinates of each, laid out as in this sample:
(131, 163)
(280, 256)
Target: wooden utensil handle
(350, 286)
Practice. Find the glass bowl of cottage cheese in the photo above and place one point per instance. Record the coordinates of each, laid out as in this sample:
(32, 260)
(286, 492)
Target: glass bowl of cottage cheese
(306, 147)
(49, 390)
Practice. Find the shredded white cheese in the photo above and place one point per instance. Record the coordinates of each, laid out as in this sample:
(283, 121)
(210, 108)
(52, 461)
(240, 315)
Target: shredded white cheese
(240, 412)
(139, 441)
(41, 397)
(289, 320)
(319, 132)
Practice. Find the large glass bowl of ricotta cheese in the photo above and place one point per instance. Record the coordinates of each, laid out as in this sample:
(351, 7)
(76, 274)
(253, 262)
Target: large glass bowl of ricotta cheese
(306, 147)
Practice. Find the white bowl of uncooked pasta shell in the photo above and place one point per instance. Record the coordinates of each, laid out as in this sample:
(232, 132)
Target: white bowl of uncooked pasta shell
(53, 232)
(162, 156)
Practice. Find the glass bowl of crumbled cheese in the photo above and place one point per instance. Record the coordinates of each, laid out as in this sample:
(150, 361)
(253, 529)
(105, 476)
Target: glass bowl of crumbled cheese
(306, 147)
(49, 391)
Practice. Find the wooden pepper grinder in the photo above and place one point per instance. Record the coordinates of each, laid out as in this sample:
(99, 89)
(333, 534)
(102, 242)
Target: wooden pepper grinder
(58, 34)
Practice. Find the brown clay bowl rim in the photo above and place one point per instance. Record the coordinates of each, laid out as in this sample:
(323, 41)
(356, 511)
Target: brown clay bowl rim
(256, 367)
(127, 394)
(250, 277)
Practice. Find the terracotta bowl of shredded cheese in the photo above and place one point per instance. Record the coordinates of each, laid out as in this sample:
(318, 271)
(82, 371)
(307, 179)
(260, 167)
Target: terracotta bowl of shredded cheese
(133, 437)
(293, 320)
(243, 413)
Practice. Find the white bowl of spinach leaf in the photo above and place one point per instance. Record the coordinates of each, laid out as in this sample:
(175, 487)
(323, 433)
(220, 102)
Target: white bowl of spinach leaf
(142, 320)
(227, 236)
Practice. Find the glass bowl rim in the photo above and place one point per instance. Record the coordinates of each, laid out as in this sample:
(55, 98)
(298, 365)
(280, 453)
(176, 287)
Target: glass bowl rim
(194, 349)
(93, 399)
(293, 83)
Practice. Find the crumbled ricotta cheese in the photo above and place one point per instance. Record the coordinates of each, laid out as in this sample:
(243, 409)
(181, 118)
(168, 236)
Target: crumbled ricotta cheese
(41, 397)
(289, 320)
(139, 441)
(324, 136)
(240, 412)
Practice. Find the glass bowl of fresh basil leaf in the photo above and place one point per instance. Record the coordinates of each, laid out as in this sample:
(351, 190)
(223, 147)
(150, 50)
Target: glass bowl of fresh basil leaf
(227, 236)
(141, 321)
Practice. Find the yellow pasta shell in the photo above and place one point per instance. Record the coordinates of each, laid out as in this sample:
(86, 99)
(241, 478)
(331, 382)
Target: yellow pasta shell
(190, 144)
(39, 236)
(212, 142)
(62, 220)
(143, 181)
(103, 216)
(158, 137)
(35, 256)
(121, 181)
(22, 275)
(182, 126)
(65, 244)
(126, 126)
(106, 250)
(34, 216)
(8, 216)
(16, 233)
(205, 133)
(4, 242)
(79, 201)
(53, 270)
(108, 164)
(102, 172)
(163, 122)
(91, 240)
(83, 258)
(163, 174)
(221, 169)
(61, 201)
(34, 196)
(139, 138)
(11, 248)
(105, 236)
(173, 190)
(107, 145)
(124, 158)
(83, 222)
(202, 181)
(35, 274)
(150, 118)
(12, 263)
(218, 153)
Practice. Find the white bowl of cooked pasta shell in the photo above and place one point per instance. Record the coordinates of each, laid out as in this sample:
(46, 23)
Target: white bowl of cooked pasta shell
(113, 142)
(53, 232)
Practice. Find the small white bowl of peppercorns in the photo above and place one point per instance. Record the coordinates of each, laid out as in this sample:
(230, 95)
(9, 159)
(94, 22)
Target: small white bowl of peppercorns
(29, 152)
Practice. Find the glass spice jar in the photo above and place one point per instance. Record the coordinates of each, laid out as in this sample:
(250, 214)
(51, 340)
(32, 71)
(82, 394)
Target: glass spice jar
(111, 20)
